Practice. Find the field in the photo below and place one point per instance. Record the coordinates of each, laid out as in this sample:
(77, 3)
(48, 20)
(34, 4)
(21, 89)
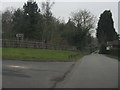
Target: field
(40, 54)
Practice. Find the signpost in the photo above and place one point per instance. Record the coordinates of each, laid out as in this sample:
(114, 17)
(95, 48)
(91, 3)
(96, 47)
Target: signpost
(20, 36)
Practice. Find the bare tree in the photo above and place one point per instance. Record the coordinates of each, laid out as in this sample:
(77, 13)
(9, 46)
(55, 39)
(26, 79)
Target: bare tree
(83, 19)
(0, 25)
(46, 6)
(84, 22)
(7, 18)
(48, 20)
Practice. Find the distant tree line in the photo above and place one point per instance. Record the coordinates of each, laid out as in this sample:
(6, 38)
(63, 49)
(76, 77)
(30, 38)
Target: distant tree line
(40, 24)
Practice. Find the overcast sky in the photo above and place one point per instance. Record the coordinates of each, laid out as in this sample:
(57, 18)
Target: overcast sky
(63, 9)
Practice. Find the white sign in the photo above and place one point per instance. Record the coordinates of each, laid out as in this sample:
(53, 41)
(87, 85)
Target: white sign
(19, 35)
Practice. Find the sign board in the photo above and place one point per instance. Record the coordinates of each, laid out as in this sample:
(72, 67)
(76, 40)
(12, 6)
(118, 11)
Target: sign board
(19, 35)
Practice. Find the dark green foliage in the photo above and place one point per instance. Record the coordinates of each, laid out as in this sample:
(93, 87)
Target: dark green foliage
(18, 21)
(44, 27)
(28, 21)
(69, 32)
(39, 26)
(7, 18)
(84, 22)
(31, 15)
(105, 29)
(103, 48)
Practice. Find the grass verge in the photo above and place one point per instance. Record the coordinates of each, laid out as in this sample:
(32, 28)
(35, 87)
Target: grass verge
(39, 54)
(114, 57)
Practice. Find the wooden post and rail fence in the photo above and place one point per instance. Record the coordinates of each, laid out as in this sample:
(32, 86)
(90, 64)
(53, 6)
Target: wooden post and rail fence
(33, 44)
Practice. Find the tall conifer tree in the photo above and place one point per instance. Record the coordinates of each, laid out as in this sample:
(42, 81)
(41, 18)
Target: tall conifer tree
(105, 30)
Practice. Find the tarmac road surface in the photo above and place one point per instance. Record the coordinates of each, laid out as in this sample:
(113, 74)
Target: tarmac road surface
(29, 74)
(93, 71)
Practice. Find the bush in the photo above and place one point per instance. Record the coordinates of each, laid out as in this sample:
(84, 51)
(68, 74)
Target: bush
(103, 49)
(114, 51)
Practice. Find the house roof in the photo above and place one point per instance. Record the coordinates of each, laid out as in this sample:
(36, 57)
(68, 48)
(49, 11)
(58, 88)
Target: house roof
(115, 42)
